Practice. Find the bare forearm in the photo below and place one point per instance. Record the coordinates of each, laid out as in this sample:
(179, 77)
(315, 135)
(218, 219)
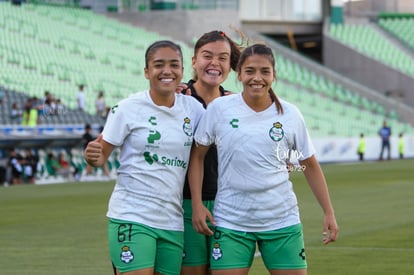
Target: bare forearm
(195, 177)
(195, 174)
(317, 183)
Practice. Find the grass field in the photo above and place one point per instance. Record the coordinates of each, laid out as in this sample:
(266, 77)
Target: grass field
(61, 228)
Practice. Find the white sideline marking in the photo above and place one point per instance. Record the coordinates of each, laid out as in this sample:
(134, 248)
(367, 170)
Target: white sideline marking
(396, 249)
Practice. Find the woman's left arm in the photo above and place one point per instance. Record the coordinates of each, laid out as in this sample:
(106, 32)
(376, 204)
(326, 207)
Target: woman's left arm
(316, 180)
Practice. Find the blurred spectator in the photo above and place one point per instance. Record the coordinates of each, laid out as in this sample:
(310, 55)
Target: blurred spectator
(37, 103)
(59, 107)
(47, 95)
(48, 108)
(81, 98)
(385, 134)
(30, 115)
(51, 105)
(3, 173)
(361, 147)
(401, 145)
(62, 160)
(15, 166)
(100, 105)
(47, 98)
(16, 113)
(30, 166)
(67, 165)
(54, 168)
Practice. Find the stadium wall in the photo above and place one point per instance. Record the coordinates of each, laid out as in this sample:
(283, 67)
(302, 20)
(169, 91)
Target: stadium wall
(345, 149)
(183, 25)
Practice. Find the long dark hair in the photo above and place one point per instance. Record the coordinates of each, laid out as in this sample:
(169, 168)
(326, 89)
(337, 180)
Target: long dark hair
(261, 49)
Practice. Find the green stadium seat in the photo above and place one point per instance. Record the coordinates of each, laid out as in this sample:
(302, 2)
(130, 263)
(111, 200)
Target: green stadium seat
(56, 48)
(368, 41)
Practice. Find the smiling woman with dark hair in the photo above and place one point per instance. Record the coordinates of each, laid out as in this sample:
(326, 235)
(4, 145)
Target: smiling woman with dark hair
(154, 130)
(254, 132)
(215, 55)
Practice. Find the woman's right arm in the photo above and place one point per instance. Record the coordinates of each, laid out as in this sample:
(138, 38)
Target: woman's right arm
(97, 152)
(195, 179)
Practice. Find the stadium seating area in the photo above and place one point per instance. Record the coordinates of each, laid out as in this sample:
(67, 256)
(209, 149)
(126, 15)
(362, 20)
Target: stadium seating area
(402, 28)
(56, 48)
(330, 109)
(65, 115)
(364, 38)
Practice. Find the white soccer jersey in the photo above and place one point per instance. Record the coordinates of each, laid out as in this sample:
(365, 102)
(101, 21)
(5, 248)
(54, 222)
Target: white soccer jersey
(155, 147)
(254, 191)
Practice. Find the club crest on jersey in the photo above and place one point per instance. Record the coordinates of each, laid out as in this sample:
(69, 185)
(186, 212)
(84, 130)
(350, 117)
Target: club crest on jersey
(216, 253)
(187, 128)
(276, 133)
(126, 255)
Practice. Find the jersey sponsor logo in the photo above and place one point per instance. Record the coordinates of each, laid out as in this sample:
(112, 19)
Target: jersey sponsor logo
(150, 159)
(153, 136)
(167, 161)
(174, 162)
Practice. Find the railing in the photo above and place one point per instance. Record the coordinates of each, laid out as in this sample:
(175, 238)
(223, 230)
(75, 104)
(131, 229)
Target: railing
(69, 3)
(144, 5)
(371, 8)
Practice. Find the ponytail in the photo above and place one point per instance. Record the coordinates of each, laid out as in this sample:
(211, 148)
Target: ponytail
(278, 105)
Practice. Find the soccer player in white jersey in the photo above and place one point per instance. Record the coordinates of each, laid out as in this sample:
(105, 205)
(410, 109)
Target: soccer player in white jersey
(215, 55)
(255, 202)
(154, 130)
